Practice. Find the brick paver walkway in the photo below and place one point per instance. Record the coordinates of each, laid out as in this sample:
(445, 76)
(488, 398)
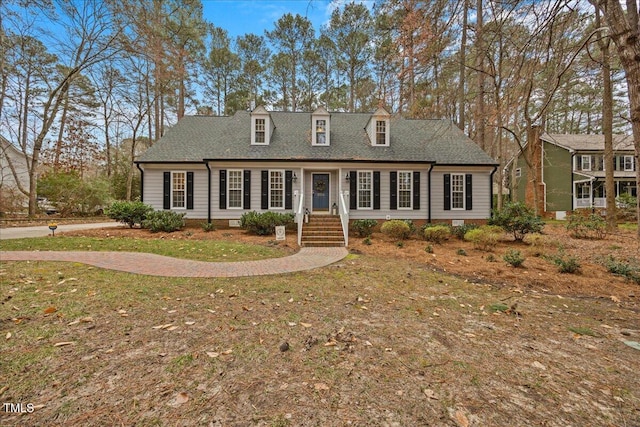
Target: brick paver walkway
(158, 265)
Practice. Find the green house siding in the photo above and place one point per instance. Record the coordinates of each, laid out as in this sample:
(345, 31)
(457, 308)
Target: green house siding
(520, 183)
(557, 169)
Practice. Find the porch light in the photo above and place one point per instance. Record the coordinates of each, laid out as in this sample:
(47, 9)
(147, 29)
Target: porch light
(294, 178)
(347, 177)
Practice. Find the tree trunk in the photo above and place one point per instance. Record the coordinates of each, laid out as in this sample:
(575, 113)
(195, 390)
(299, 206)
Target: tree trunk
(480, 52)
(625, 33)
(607, 127)
(463, 58)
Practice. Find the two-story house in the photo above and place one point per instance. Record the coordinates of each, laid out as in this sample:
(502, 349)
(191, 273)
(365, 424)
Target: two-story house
(347, 165)
(571, 173)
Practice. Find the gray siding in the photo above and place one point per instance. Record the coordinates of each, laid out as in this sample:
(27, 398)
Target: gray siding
(481, 193)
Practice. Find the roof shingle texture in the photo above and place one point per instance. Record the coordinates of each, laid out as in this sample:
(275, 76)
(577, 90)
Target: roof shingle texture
(589, 142)
(196, 138)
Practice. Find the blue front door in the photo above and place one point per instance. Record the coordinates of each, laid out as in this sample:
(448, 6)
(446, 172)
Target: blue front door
(320, 189)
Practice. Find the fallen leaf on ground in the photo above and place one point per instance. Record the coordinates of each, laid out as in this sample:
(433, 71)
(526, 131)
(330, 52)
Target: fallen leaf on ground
(182, 398)
(227, 351)
(172, 328)
(306, 325)
(461, 419)
(190, 323)
(165, 326)
(50, 310)
(212, 354)
(320, 386)
(63, 343)
(430, 394)
(8, 336)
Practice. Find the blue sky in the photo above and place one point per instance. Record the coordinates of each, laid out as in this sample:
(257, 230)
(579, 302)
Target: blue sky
(241, 17)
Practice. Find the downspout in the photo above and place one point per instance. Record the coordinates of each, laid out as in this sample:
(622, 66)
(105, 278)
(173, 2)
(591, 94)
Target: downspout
(208, 192)
(141, 182)
(495, 168)
(429, 195)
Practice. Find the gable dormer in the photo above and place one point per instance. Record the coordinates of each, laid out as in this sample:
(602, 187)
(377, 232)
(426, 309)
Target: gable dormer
(378, 128)
(320, 127)
(261, 126)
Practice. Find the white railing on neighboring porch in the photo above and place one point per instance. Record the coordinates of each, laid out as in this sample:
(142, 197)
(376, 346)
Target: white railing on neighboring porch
(596, 202)
(344, 218)
(300, 217)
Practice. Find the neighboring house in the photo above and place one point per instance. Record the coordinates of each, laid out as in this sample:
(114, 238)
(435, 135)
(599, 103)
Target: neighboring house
(11, 198)
(355, 165)
(570, 170)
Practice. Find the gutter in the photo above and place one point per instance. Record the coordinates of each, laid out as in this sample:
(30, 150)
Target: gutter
(429, 190)
(208, 192)
(495, 168)
(141, 181)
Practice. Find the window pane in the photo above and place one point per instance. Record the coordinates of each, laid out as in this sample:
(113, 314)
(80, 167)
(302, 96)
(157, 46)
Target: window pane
(365, 189)
(404, 189)
(260, 128)
(235, 189)
(179, 187)
(457, 191)
(381, 132)
(276, 186)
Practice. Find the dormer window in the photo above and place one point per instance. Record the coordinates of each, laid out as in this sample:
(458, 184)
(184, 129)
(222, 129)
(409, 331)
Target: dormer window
(320, 127)
(381, 132)
(261, 126)
(378, 128)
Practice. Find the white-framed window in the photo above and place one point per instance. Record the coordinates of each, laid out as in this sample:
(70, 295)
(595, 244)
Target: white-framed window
(321, 132)
(234, 189)
(628, 162)
(260, 131)
(585, 163)
(365, 190)
(381, 132)
(518, 172)
(276, 189)
(457, 191)
(584, 190)
(405, 189)
(179, 190)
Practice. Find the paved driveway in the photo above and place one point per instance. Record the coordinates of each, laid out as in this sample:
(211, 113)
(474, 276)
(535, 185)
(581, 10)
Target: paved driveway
(43, 230)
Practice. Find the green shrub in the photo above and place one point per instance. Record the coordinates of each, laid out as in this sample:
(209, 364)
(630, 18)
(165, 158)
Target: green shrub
(396, 228)
(428, 249)
(565, 264)
(71, 194)
(264, 223)
(518, 219)
(412, 226)
(207, 226)
(130, 213)
(461, 252)
(460, 230)
(437, 233)
(167, 221)
(483, 238)
(367, 241)
(490, 258)
(586, 226)
(363, 227)
(623, 268)
(627, 205)
(514, 257)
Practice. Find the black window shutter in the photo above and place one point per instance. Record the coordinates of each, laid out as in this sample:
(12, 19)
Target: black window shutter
(376, 190)
(223, 189)
(264, 196)
(246, 190)
(166, 190)
(416, 190)
(353, 190)
(189, 190)
(393, 189)
(468, 191)
(288, 190)
(447, 191)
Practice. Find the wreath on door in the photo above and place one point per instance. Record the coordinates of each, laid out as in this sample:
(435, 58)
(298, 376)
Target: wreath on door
(321, 186)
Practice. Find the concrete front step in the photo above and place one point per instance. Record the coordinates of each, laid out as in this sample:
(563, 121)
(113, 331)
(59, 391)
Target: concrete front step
(322, 231)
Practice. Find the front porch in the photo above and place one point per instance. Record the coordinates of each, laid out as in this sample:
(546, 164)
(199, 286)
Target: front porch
(592, 194)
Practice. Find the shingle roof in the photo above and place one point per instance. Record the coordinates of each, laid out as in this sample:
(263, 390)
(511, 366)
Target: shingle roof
(196, 138)
(589, 142)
